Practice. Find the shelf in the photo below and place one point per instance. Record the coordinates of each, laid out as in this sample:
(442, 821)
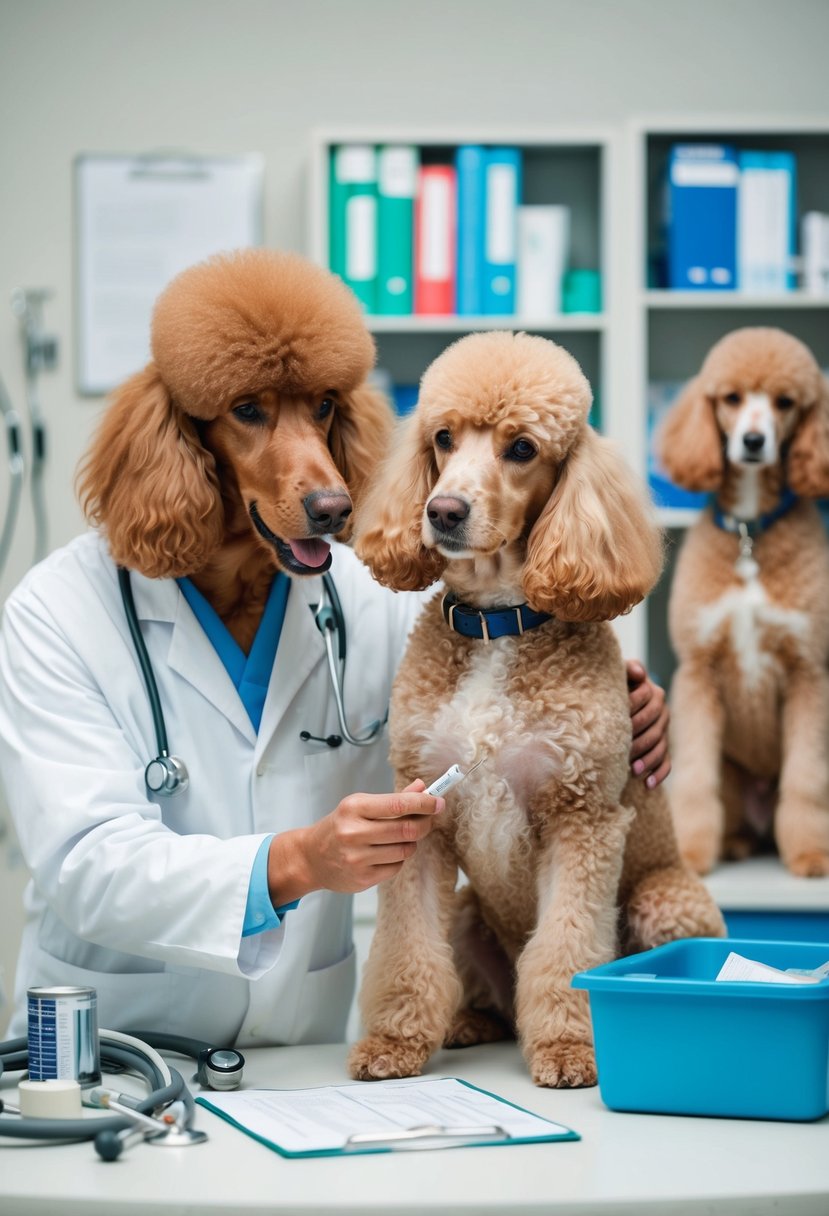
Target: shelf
(415, 324)
(732, 299)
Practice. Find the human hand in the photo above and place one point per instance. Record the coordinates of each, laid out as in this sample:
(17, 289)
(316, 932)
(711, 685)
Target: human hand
(649, 715)
(365, 840)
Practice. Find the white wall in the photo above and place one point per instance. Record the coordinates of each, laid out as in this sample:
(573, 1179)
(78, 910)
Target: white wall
(232, 76)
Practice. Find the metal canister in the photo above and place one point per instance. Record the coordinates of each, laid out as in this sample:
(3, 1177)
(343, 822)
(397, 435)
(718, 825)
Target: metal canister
(63, 1035)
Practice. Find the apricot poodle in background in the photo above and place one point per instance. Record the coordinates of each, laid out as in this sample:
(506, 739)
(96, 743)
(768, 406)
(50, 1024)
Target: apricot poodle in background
(749, 605)
(247, 438)
(500, 487)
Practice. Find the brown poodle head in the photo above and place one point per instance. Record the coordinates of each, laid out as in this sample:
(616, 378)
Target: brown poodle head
(254, 420)
(759, 401)
(498, 484)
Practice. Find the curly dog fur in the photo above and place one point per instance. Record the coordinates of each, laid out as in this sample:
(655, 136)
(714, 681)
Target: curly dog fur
(499, 486)
(750, 699)
(247, 438)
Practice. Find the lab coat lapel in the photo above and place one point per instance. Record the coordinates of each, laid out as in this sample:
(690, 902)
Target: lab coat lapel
(191, 653)
(300, 650)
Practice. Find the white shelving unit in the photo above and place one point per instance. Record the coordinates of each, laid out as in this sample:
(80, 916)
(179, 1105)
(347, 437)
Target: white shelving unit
(670, 332)
(576, 167)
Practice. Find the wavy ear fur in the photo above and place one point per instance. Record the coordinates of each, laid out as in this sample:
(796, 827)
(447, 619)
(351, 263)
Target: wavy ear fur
(388, 532)
(596, 549)
(807, 470)
(359, 439)
(689, 441)
(150, 485)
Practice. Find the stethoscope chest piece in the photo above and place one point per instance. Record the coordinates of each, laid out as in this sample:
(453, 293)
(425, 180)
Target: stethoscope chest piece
(166, 775)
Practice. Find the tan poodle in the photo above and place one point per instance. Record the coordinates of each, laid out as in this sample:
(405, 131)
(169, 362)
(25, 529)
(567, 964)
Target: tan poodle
(499, 486)
(749, 607)
(247, 438)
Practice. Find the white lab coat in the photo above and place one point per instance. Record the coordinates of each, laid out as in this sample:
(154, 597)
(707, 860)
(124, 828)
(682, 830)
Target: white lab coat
(145, 899)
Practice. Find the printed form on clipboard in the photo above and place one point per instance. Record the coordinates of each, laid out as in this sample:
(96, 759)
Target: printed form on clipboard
(380, 1117)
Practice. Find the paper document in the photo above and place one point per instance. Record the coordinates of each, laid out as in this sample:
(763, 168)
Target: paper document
(436, 1112)
(736, 967)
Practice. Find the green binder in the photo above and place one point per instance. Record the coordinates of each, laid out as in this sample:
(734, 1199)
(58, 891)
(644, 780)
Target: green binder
(396, 183)
(353, 220)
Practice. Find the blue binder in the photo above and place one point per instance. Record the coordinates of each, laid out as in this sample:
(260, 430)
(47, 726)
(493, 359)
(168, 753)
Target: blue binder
(470, 161)
(702, 227)
(503, 195)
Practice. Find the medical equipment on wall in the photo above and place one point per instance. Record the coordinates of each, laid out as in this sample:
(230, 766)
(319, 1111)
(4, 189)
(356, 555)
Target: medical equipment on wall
(40, 351)
(166, 774)
(163, 1117)
(17, 470)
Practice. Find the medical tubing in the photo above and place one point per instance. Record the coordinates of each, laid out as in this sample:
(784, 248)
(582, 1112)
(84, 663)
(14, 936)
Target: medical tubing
(144, 661)
(182, 1044)
(339, 619)
(143, 1047)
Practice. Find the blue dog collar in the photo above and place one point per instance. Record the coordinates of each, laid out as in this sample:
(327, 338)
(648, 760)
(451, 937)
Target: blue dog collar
(490, 623)
(755, 527)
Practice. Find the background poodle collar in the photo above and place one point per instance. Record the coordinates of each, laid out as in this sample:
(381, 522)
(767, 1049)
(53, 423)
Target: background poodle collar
(754, 527)
(490, 623)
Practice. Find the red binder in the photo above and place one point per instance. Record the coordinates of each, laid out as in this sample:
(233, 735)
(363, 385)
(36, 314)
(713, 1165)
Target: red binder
(435, 240)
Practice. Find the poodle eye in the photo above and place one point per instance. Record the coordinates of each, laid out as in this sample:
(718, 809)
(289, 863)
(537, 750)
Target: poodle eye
(784, 402)
(326, 406)
(522, 450)
(443, 439)
(732, 398)
(248, 411)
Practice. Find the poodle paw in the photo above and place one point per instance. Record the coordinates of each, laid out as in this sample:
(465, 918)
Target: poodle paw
(564, 1065)
(378, 1058)
(814, 864)
(737, 847)
(473, 1026)
(700, 854)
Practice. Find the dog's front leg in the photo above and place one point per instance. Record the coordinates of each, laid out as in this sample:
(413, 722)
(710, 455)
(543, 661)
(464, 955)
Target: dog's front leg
(578, 881)
(697, 743)
(801, 824)
(410, 991)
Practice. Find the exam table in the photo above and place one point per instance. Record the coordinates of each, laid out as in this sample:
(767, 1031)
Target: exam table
(627, 1165)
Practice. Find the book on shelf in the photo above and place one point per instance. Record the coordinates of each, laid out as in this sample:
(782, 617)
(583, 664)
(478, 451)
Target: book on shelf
(543, 245)
(766, 222)
(353, 220)
(814, 253)
(435, 240)
(702, 217)
(661, 396)
(503, 194)
(397, 167)
(470, 165)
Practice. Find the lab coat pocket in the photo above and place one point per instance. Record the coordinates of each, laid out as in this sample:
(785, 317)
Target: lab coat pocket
(125, 999)
(324, 1003)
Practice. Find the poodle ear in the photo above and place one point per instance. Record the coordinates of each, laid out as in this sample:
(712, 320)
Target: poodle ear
(689, 442)
(808, 459)
(596, 549)
(359, 439)
(388, 532)
(149, 483)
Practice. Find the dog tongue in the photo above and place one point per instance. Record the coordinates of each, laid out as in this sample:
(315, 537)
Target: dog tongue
(310, 552)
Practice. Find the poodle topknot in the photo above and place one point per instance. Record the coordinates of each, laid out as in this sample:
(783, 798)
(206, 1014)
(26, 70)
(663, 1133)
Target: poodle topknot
(253, 319)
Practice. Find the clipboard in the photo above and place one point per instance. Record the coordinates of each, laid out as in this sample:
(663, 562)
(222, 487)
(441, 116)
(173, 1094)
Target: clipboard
(139, 220)
(389, 1116)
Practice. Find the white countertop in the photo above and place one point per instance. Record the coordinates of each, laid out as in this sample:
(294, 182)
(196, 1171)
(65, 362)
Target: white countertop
(624, 1165)
(764, 884)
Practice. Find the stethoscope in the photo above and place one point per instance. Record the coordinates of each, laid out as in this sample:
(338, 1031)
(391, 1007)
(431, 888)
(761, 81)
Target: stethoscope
(167, 774)
(163, 1118)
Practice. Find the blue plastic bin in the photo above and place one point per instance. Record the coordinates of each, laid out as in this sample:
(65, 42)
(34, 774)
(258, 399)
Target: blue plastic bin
(671, 1039)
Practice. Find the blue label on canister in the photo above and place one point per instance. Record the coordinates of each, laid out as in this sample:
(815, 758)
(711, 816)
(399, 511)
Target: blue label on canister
(63, 1035)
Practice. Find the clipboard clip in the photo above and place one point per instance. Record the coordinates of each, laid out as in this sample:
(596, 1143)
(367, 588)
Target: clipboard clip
(427, 1135)
(170, 165)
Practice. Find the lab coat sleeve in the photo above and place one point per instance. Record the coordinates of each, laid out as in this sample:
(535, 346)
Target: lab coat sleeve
(95, 845)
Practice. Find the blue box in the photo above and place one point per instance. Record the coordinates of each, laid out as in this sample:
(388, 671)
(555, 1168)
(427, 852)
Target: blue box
(702, 222)
(670, 1039)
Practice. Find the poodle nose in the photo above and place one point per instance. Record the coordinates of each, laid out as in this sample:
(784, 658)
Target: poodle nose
(327, 510)
(447, 512)
(753, 441)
